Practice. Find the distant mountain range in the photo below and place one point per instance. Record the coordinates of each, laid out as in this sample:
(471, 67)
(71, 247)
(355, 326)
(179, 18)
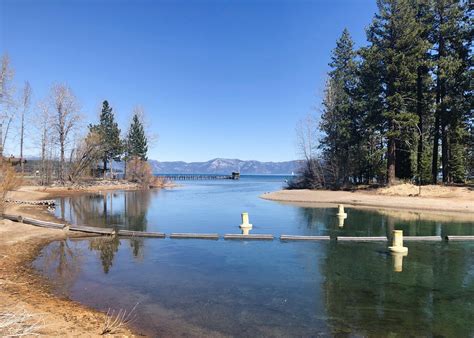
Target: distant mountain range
(225, 166)
(216, 166)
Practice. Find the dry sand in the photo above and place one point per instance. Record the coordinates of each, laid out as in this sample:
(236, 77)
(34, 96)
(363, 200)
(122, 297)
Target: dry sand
(447, 201)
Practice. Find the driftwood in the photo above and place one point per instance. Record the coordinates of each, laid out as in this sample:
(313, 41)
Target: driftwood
(27, 220)
(94, 230)
(130, 233)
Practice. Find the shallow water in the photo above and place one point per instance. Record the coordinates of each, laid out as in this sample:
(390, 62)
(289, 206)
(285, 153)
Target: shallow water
(208, 287)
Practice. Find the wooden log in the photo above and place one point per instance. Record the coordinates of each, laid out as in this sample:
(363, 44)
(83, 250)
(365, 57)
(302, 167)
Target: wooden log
(422, 238)
(94, 230)
(14, 218)
(246, 237)
(362, 239)
(194, 235)
(459, 238)
(303, 238)
(43, 224)
(130, 233)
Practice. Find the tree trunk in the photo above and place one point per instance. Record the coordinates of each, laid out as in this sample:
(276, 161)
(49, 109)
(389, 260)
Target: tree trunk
(391, 159)
(439, 102)
(434, 165)
(419, 109)
(61, 159)
(444, 151)
(105, 167)
(22, 131)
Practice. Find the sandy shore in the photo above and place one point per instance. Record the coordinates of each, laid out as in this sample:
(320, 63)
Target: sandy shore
(23, 289)
(446, 201)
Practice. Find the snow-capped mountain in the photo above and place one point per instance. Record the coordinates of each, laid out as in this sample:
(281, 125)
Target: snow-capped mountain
(224, 166)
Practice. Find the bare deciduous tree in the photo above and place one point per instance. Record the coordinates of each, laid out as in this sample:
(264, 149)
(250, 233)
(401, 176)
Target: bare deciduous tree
(85, 155)
(307, 138)
(6, 98)
(66, 119)
(43, 124)
(25, 100)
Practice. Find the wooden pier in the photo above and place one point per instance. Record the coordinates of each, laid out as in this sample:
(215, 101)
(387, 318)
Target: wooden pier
(200, 177)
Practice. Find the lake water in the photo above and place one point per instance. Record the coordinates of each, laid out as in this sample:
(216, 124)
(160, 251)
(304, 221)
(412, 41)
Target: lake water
(262, 288)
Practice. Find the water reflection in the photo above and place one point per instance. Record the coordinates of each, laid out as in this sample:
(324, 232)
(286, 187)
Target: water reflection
(271, 288)
(62, 263)
(107, 248)
(363, 294)
(124, 210)
(284, 289)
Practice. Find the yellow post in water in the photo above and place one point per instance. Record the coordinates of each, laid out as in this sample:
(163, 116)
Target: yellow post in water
(341, 215)
(397, 242)
(398, 261)
(245, 226)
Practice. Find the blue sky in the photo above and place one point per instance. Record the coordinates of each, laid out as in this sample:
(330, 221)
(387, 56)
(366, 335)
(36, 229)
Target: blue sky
(216, 78)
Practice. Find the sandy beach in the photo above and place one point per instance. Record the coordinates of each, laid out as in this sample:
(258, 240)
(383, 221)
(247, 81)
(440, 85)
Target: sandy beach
(434, 199)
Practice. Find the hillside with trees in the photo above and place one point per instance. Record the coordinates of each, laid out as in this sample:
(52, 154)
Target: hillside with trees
(399, 108)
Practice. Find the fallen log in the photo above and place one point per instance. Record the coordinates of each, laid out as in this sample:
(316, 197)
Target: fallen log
(303, 238)
(130, 233)
(245, 237)
(193, 235)
(94, 230)
(361, 239)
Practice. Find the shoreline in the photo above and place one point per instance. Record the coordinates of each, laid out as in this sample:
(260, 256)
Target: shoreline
(24, 288)
(449, 205)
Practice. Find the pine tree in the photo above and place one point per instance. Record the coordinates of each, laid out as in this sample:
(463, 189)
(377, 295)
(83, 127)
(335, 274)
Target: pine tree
(339, 120)
(109, 132)
(451, 37)
(395, 38)
(136, 140)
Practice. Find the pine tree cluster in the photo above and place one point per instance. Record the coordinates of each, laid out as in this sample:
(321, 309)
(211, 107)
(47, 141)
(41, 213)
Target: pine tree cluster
(401, 107)
(135, 144)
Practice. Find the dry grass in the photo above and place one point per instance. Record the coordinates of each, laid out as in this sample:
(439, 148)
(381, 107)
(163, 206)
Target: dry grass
(9, 180)
(19, 323)
(140, 172)
(117, 321)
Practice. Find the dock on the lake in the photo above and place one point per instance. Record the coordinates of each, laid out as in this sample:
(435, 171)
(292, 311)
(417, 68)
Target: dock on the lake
(200, 177)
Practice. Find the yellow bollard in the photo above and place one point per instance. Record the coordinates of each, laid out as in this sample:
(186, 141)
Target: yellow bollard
(245, 226)
(398, 260)
(340, 211)
(341, 220)
(341, 215)
(397, 242)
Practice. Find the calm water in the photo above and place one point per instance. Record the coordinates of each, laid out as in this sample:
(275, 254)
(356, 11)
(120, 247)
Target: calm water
(207, 287)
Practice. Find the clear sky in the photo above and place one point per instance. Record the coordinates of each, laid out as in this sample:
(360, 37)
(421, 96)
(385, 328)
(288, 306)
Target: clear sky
(216, 78)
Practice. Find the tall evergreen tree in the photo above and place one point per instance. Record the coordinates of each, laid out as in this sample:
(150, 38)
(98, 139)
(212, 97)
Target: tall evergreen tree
(137, 144)
(339, 119)
(109, 132)
(451, 37)
(395, 38)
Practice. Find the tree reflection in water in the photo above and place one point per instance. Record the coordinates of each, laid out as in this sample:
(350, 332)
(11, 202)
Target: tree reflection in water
(107, 247)
(63, 264)
(111, 210)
